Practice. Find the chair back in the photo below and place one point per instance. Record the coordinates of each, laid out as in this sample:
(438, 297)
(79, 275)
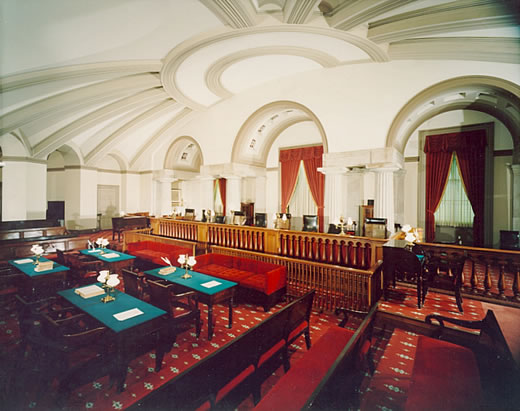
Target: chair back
(260, 219)
(160, 295)
(133, 283)
(310, 223)
(407, 264)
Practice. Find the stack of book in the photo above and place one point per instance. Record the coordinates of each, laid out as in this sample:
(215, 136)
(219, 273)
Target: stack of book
(89, 291)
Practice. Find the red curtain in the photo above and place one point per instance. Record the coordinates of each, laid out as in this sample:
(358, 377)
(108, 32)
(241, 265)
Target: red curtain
(437, 169)
(222, 190)
(472, 163)
(312, 160)
(290, 164)
(470, 149)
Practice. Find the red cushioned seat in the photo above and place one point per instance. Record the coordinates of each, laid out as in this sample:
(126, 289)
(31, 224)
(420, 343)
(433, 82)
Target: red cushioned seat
(292, 391)
(445, 377)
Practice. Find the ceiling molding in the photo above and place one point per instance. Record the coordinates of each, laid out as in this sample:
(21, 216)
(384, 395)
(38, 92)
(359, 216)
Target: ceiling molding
(215, 71)
(502, 50)
(179, 54)
(352, 14)
(108, 143)
(16, 81)
(78, 98)
(299, 11)
(237, 14)
(71, 130)
(453, 16)
(152, 143)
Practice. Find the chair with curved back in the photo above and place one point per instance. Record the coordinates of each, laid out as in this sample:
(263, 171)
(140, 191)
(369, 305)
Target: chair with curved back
(444, 271)
(135, 284)
(310, 223)
(66, 346)
(182, 309)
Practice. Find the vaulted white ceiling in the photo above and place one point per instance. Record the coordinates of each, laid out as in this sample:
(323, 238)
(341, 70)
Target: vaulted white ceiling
(119, 76)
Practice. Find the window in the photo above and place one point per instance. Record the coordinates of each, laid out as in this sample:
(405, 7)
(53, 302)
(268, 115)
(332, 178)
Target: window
(454, 209)
(301, 201)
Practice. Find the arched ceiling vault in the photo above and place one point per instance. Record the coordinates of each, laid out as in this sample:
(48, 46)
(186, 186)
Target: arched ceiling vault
(129, 94)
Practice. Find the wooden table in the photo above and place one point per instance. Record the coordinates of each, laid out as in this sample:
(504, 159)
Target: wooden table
(125, 333)
(41, 282)
(115, 263)
(222, 290)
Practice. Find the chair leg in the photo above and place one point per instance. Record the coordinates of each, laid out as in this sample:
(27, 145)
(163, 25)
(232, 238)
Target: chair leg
(308, 339)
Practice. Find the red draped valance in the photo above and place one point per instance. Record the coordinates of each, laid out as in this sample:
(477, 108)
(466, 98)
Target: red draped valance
(450, 142)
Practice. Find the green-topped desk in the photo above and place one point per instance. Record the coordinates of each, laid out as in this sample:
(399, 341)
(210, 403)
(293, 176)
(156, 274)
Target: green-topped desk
(128, 334)
(211, 290)
(41, 282)
(115, 260)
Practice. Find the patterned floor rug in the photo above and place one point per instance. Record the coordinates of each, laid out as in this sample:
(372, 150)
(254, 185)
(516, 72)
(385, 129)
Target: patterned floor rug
(142, 378)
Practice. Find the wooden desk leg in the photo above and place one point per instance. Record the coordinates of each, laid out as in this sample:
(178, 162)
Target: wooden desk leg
(230, 312)
(210, 320)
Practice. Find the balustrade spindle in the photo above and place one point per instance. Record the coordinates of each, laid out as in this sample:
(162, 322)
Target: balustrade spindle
(500, 284)
(487, 281)
(516, 282)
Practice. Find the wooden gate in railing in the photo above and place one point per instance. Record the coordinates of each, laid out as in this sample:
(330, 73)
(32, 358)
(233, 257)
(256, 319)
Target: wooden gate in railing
(488, 273)
(335, 286)
(245, 238)
(181, 229)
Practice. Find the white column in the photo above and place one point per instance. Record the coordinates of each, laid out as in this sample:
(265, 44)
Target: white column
(24, 190)
(163, 196)
(335, 193)
(384, 201)
(233, 193)
(515, 186)
(80, 197)
(207, 184)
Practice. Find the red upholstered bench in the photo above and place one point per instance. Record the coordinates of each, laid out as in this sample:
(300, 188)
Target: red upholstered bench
(293, 390)
(264, 281)
(445, 377)
(152, 251)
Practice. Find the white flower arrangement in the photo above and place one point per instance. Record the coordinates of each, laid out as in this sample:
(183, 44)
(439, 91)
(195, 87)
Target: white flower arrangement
(409, 234)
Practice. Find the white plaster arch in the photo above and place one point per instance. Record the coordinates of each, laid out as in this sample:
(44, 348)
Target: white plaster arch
(298, 113)
(13, 146)
(496, 97)
(184, 144)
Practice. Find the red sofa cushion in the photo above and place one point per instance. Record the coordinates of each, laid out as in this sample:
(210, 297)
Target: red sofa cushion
(153, 251)
(293, 390)
(264, 277)
(445, 377)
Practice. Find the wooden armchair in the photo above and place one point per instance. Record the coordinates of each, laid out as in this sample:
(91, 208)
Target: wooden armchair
(11, 281)
(409, 267)
(83, 268)
(182, 309)
(58, 336)
(135, 284)
(444, 271)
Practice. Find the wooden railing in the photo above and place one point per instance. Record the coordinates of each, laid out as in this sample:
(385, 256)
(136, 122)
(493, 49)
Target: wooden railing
(342, 250)
(488, 273)
(335, 286)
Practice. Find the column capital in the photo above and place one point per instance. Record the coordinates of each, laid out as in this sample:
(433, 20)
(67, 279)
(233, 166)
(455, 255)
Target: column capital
(333, 170)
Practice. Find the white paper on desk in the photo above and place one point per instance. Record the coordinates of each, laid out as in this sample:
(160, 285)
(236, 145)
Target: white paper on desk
(125, 315)
(211, 284)
(24, 261)
(93, 251)
(111, 255)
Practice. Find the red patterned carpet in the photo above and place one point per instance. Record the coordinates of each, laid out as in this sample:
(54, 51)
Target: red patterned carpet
(142, 378)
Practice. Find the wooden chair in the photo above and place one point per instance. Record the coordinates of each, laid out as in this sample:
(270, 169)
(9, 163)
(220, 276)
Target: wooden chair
(11, 281)
(182, 309)
(444, 272)
(135, 284)
(409, 267)
(83, 269)
(58, 336)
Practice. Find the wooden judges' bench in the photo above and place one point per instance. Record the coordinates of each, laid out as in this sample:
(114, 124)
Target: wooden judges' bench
(128, 222)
